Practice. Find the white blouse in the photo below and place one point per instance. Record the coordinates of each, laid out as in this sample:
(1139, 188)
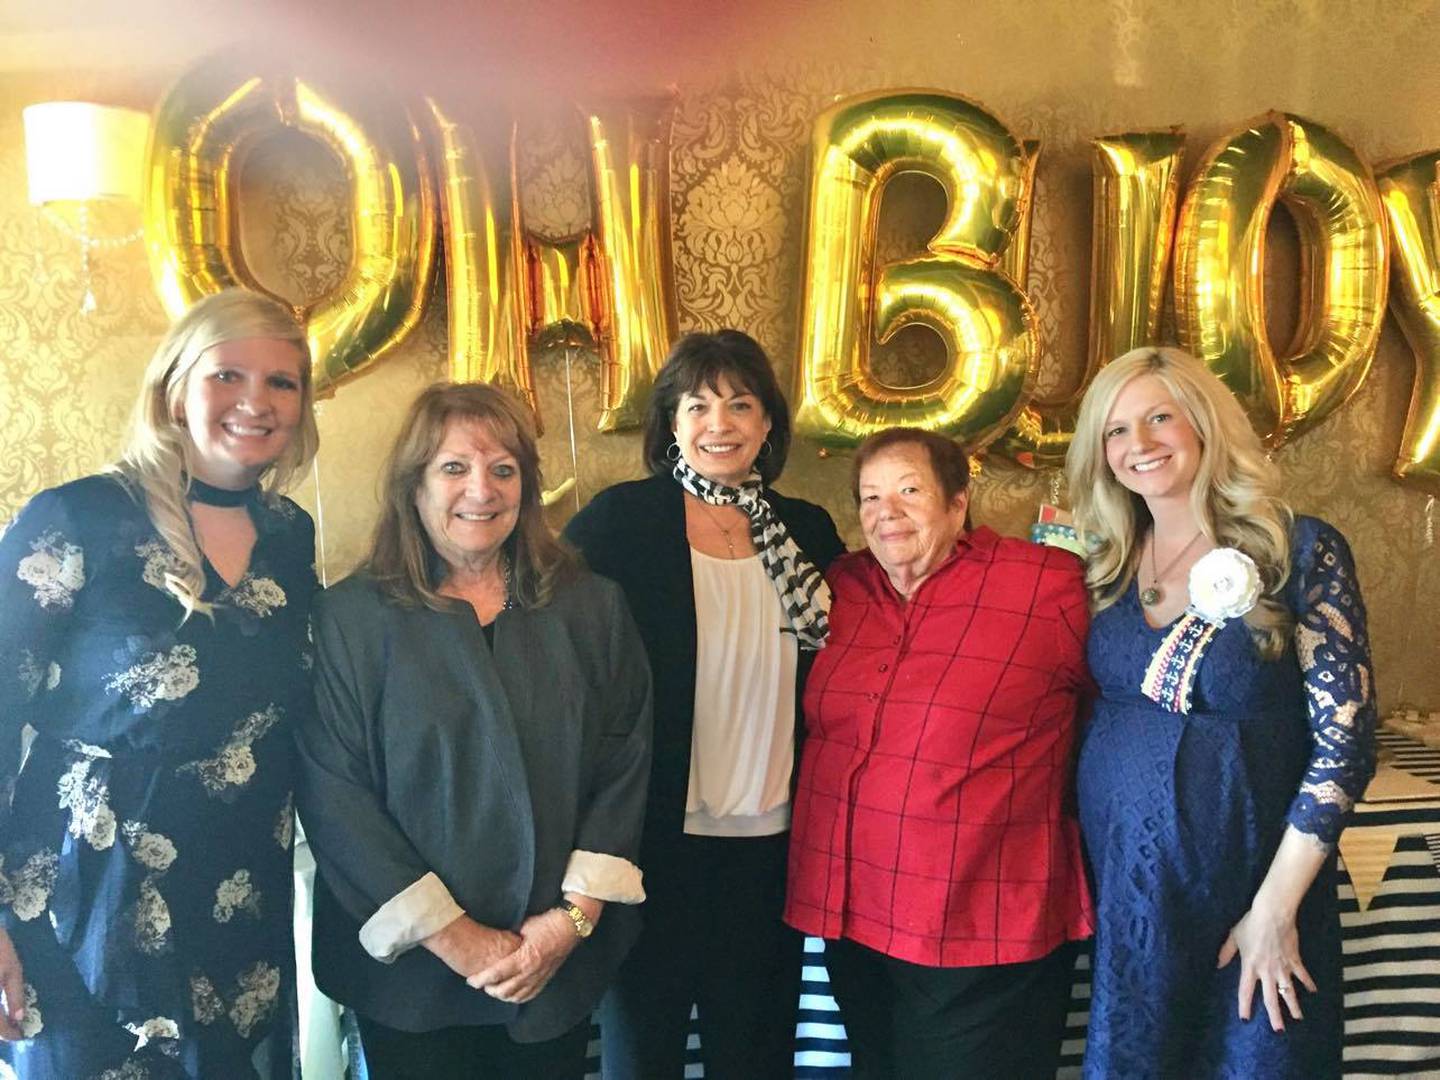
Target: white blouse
(742, 751)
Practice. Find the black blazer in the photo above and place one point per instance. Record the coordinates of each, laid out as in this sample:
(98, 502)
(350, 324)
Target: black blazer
(634, 534)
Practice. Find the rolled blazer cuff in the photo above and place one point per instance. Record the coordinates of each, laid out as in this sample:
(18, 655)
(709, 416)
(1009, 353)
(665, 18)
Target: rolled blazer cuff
(408, 918)
(603, 877)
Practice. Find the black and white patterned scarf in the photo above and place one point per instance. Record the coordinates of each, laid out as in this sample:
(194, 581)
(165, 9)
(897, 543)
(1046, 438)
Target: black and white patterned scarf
(803, 592)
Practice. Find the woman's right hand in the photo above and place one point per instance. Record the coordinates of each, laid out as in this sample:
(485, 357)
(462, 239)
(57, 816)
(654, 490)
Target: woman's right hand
(12, 985)
(467, 946)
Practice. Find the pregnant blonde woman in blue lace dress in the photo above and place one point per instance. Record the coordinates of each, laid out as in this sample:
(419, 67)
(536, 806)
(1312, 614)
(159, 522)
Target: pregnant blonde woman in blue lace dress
(153, 637)
(1232, 734)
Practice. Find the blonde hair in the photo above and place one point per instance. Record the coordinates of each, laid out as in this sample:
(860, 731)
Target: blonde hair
(402, 560)
(1234, 496)
(156, 459)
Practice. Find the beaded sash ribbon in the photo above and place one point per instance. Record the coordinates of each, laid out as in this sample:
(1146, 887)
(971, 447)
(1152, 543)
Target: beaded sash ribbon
(1170, 677)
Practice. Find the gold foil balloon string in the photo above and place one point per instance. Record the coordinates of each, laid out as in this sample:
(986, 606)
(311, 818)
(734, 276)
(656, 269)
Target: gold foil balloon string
(1417, 584)
(570, 413)
(320, 553)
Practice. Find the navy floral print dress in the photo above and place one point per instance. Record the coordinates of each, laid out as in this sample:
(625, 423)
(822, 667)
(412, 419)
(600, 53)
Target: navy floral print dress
(145, 873)
(1182, 814)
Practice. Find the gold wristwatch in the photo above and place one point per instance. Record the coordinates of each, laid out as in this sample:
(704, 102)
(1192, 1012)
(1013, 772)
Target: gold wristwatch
(583, 926)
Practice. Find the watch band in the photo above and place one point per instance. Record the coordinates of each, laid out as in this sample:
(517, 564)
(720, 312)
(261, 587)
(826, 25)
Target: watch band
(583, 926)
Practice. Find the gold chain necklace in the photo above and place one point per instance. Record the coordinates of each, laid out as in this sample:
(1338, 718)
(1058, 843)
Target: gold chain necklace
(1154, 594)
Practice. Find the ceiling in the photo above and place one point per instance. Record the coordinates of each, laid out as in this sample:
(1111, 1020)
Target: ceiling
(525, 47)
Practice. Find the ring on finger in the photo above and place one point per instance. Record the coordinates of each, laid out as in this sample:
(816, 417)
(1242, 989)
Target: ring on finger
(1284, 988)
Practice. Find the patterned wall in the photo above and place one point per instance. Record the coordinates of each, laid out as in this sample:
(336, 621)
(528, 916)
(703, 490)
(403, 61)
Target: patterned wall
(1053, 71)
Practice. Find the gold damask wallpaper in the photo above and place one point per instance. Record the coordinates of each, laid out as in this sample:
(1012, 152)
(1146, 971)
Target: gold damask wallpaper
(1054, 71)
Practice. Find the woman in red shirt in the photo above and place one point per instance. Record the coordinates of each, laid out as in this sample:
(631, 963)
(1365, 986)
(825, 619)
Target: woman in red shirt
(934, 843)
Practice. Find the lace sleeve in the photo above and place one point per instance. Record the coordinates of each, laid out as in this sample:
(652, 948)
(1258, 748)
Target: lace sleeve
(1333, 648)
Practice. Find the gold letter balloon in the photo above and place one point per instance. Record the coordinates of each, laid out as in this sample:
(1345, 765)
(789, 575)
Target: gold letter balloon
(630, 166)
(204, 126)
(483, 257)
(1136, 196)
(1219, 279)
(1016, 260)
(1411, 191)
(610, 288)
(956, 289)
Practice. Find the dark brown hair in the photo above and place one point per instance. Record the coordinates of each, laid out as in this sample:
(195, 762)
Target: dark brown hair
(700, 360)
(402, 559)
(948, 458)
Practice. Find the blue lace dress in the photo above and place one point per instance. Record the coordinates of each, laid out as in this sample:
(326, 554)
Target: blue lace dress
(1181, 815)
(145, 859)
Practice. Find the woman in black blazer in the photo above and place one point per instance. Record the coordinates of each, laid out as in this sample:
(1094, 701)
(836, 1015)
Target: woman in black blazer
(724, 577)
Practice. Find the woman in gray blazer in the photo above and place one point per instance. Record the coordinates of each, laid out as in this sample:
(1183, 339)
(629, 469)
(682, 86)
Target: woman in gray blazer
(473, 784)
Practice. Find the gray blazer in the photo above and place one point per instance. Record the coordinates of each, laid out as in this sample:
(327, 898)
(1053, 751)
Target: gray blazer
(428, 753)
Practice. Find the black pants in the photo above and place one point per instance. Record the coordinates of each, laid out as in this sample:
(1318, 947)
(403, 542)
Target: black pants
(1001, 1022)
(471, 1053)
(712, 938)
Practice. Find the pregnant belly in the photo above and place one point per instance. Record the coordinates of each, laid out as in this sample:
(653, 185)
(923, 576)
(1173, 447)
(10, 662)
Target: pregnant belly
(1172, 797)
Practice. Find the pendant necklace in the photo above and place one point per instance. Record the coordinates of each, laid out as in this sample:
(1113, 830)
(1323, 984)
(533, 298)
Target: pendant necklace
(729, 543)
(507, 582)
(1154, 594)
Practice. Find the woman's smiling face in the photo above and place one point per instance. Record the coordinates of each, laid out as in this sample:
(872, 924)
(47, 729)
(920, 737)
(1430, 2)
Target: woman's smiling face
(909, 524)
(241, 405)
(469, 497)
(1150, 444)
(720, 431)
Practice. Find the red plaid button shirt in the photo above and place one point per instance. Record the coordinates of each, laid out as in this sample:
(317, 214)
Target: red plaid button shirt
(934, 817)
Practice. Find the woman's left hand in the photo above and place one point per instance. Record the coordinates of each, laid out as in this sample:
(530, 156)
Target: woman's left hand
(546, 940)
(1269, 948)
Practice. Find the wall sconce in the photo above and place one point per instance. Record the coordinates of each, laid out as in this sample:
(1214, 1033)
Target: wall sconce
(80, 153)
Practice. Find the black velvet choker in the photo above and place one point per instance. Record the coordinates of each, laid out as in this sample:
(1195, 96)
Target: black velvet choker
(211, 495)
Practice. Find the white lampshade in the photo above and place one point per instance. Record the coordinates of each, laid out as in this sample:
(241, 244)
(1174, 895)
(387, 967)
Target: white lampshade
(78, 151)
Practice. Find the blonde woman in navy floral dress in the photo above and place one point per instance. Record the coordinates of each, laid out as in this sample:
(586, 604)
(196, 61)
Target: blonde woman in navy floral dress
(1232, 734)
(153, 639)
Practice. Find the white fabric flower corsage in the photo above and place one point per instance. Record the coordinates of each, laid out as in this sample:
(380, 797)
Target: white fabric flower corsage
(1224, 584)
